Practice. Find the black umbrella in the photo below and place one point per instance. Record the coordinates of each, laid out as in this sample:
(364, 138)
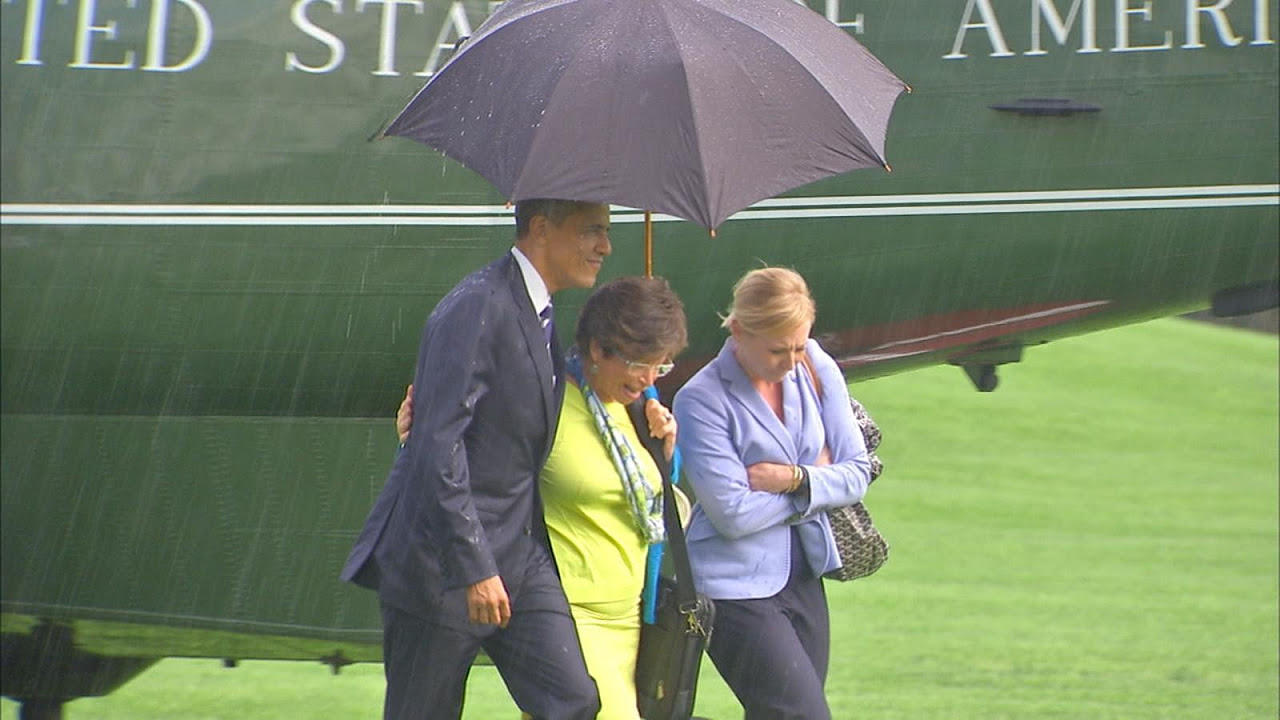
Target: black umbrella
(694, 108)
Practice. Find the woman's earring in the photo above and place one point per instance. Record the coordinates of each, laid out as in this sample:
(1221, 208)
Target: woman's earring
(595, 369)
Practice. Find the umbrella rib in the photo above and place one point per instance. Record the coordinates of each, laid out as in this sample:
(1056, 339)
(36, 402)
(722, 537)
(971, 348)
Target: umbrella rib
(858, 150)
(584, 34)
(877, 153)
(709, 220)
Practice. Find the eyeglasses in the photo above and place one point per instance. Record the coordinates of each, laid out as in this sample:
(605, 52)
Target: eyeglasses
(639, 368)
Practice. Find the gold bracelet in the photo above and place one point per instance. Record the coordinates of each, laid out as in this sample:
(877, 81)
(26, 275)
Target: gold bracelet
(797, 476)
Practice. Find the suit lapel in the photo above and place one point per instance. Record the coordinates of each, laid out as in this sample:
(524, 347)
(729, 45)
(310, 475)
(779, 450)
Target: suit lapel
(739, 388)
(531, 328)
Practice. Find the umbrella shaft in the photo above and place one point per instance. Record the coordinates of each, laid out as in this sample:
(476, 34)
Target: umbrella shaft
(648, 243)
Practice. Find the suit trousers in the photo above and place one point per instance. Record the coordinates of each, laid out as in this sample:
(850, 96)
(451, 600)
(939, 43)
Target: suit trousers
(538, 655)
(773, 652)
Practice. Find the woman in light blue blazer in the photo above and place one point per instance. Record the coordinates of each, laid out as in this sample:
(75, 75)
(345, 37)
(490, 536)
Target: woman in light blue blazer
(767, 458)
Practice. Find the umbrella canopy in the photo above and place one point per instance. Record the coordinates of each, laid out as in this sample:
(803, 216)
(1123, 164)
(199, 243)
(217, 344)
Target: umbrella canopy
(694, 108)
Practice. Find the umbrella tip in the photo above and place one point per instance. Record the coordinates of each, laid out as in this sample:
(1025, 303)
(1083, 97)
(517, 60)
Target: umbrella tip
(711, 232)
(382, 131)
(907, 87)
(887, 168)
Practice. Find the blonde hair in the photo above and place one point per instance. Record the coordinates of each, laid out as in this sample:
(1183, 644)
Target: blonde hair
(770, 300)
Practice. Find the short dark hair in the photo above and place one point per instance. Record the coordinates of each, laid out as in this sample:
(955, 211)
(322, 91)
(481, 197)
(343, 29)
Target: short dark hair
(640, 317)
(554, 210)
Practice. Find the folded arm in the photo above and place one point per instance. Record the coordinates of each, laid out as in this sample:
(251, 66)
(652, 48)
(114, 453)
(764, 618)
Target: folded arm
(843, 479)
(709, 450)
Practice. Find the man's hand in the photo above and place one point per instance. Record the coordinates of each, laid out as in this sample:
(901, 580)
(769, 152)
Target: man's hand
(488, 604)
(404, 417)
(662, 425)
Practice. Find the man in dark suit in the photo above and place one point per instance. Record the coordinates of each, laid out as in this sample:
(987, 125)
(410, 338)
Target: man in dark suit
(455, 545)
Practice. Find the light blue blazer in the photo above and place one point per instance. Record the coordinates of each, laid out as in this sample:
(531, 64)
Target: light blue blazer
(740, 539)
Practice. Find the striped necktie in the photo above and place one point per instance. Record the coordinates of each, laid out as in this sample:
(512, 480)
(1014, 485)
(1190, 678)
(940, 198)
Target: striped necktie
(548, 323)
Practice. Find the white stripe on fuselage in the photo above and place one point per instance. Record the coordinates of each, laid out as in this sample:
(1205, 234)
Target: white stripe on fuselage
(983, 203)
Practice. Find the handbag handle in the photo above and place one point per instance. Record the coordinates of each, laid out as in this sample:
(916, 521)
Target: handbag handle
(685, 592)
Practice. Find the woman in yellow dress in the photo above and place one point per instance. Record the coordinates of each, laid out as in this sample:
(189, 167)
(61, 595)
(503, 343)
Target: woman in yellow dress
(601, 491)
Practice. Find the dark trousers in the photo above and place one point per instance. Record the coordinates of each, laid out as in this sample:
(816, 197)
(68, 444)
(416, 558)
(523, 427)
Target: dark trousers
(773, 652)
(538, 655)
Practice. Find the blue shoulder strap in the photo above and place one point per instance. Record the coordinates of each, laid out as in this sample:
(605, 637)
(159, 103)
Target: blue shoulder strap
(653, 563)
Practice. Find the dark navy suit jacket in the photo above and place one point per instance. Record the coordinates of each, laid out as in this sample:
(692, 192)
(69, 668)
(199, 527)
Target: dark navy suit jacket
(461, 502)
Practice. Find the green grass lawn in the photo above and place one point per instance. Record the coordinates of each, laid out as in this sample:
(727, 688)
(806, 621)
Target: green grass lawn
(1096, 539)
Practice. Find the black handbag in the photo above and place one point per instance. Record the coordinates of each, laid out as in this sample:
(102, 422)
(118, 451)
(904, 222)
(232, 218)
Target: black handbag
(862, 548)
(671, 647)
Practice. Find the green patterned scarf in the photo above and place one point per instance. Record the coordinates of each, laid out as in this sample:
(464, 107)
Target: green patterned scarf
(646, 506)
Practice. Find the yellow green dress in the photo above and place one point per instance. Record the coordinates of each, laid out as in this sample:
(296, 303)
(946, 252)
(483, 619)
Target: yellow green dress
(598, 549)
